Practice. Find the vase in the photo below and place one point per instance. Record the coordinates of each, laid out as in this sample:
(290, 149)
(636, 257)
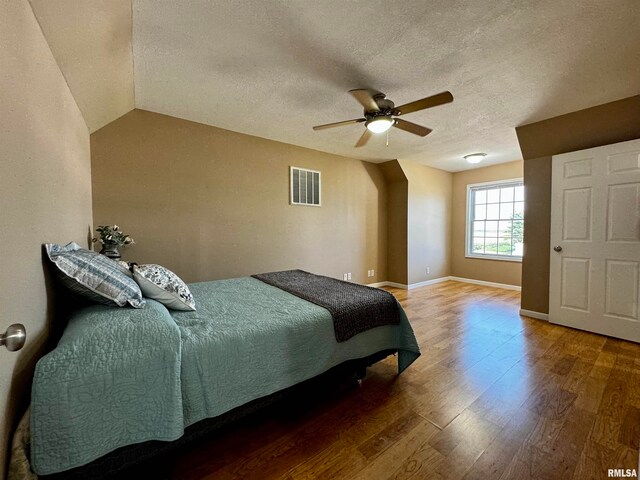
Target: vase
(111, 251)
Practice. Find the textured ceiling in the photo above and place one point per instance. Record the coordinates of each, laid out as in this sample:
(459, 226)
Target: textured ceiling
(91, 42)
(276, 68)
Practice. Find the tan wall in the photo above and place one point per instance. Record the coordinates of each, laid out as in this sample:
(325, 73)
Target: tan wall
(537, 235)
(91, 40)
(210, 203)
(602, 125)
(429, 222)
(498, 271)
(45, 193)
(397, 242)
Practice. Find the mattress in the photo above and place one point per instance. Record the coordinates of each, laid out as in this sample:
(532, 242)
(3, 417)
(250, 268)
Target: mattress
(249, 339)
(121, 376)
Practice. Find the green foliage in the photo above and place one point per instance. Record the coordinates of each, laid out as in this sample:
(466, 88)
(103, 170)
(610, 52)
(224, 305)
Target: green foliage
(494, 248)
(512, 235)
(517, 232)
(111, 234)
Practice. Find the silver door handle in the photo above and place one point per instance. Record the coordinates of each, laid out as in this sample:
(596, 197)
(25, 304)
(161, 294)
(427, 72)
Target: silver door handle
(14, 337)
(557, 248)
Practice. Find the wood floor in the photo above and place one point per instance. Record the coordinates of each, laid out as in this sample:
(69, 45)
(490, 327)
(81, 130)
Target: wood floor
(494, 396)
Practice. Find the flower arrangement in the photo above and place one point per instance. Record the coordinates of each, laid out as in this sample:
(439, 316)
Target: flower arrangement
(112, 235)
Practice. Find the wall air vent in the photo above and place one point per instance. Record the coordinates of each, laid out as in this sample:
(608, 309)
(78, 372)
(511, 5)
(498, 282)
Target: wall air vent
(305, 187)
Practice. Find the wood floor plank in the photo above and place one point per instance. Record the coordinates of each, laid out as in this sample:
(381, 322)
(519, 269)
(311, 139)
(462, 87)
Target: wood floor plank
(494, 395)
(633, 389)
(610, 416)
(596, 460)
(557, 457)
(340, 460)
(505, 397)
(475, 434)
(589, 394)
(603, 366)
(564, 365)
(389, 435)
(419, 464)
(630, 428)
(498, 455)
(394, 457)
(464, 390)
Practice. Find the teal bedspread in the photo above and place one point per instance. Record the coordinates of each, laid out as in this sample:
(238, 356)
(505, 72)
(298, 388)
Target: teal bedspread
(248, 339)
(113, 380)
(121, 376)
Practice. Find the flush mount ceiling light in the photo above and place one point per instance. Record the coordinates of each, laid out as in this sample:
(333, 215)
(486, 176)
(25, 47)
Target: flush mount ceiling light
(379, 124)
(475, 157)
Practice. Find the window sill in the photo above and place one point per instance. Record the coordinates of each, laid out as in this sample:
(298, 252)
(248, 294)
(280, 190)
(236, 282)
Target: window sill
(502, 258)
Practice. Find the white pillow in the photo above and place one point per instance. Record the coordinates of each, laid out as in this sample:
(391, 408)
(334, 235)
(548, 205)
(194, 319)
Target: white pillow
(163, 285)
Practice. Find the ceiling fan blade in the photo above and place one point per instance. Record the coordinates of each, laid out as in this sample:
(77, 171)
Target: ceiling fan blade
(365, 99)
(412, 127)
(432, 101)
(339, 124)
(364, 138)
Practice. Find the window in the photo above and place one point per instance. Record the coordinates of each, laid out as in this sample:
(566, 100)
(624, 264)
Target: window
(305, 187)
(495, 220)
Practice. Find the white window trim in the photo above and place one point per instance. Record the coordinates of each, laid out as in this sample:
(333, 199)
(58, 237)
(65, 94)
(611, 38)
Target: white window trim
(467, 248)
(298, 204)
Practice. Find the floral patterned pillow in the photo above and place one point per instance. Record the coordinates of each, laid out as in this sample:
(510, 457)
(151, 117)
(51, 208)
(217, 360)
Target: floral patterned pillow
(163, 285)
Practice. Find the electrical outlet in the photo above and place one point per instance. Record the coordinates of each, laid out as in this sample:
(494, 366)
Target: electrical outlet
(373, 273)
(344, 277)
(428, 270)
(349, 276)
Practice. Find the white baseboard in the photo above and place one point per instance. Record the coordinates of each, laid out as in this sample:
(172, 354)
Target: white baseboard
(486, 284)
(378, 284)
(428, 282)
(444, 279)
(532, 314)
(396, 285)
(411, 286)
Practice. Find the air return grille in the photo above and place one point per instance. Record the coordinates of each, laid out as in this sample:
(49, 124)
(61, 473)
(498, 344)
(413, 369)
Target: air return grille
(305, 187)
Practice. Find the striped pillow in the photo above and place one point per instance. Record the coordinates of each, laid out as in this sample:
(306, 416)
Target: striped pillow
(94, 276)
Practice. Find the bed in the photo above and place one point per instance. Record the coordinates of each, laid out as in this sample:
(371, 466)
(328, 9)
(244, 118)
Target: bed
(122, 377)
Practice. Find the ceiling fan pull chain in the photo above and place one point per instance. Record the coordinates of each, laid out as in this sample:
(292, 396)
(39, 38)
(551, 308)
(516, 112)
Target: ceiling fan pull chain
(387, 138)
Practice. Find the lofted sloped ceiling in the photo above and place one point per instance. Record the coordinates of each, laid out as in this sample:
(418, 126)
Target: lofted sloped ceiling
(276, 68)
(91, 42)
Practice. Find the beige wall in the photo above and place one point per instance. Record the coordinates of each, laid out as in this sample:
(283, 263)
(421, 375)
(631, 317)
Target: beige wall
(498, 271)
(419, 222)
(91, 41)
(45, 193)
(397, 241)
(429, 222)
(602, 125)
(210, 203)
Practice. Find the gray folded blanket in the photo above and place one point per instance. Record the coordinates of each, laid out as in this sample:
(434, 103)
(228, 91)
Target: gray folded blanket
(355, 308)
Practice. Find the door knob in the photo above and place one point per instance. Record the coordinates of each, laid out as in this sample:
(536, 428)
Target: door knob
(557, 248)
(14, 337)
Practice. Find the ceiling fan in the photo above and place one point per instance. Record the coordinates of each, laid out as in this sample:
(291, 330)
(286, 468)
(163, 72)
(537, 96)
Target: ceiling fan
(379, 113)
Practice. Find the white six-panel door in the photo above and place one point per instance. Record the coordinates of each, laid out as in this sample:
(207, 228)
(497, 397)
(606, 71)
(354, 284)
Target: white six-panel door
(595, 240)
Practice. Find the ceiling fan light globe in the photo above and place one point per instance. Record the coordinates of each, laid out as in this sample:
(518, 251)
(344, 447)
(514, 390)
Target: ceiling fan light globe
(475, 157)
(379, 125)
